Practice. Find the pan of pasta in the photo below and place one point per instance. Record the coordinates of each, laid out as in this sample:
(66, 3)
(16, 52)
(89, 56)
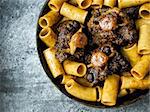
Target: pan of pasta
(97, 52)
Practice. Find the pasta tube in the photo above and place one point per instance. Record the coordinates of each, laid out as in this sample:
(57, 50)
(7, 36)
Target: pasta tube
(73, 2)
(99, 93)
(124, 92)
(84, 4)
(83, 82)
(110, 3)
(97, 3)
(144, 11)
(74, 68)
(66, 78)
(131, 54)
(141, 22)
(73, 12)
(48, 36)
(140, 70)
(144, 40)
(132, 83)
(81, 92)
(130, 3)
(62, 20)
(53, 63)
(110, 90)
(49, 19)
(55, 5)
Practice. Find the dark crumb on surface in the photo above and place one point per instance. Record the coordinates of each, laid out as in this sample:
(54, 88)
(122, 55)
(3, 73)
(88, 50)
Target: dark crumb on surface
(118, 64)
(61, 56)
(88, 58)
(132, 12)
(78, 55)
(99, 12)
(126, 35)
(69, 26)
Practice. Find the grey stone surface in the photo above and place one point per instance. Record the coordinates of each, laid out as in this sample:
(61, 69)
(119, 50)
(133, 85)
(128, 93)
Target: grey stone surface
(24, 86)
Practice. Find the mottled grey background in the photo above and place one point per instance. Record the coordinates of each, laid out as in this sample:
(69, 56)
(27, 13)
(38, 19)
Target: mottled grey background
(24, 86)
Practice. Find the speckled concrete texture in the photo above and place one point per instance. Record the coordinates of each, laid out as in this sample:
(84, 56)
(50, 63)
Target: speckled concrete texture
(24, 86)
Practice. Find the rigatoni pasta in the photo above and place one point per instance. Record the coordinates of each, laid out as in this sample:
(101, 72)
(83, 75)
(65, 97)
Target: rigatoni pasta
(84, 4)
(124, 92)
(141, 22)
(110, 3)
(74, 68)
(53, 63)
(84, 82)
(48, 36)
(132, 83)
(130, 3)
(66, 78)
(81, 92)
(144, 11)
(63, 20)
(140, 70)
(55, 5)
(99, 93)
(131, 53)
(97, 3)
(73, 12)
(144, 40)
(49, 19)
(110, 90)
